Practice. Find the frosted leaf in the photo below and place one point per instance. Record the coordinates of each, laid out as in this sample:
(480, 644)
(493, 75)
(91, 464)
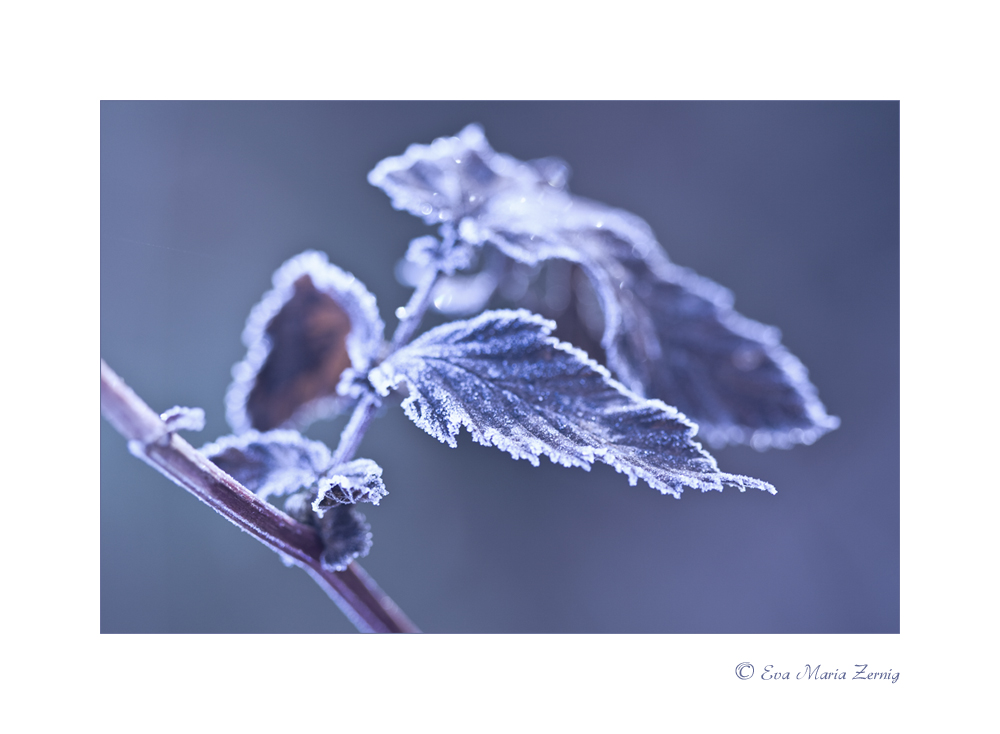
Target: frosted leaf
(345, 535)
(515, 387)
(454, 177)
(673, 335)
(184, 419)
(317, 323)
(270, 464)
(668, 333)
(347, 484)
(560, 291)
(680, 340)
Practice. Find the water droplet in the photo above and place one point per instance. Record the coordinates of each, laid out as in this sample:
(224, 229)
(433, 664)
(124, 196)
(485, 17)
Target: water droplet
(400, 313)
(426, 209)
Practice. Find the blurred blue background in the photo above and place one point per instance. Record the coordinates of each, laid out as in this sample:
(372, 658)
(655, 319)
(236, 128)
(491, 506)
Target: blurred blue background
(793, 206)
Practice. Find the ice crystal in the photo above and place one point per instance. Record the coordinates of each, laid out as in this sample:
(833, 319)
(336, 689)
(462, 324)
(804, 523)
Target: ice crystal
(515, 387)
(305, 340)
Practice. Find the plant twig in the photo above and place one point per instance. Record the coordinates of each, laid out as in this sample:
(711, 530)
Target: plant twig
(364, 412)
(354, 431)
(353, 590)
(413, 312)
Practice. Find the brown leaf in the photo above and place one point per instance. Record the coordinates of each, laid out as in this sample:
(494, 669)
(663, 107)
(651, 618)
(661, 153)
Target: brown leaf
(317, 322)
(308, 356)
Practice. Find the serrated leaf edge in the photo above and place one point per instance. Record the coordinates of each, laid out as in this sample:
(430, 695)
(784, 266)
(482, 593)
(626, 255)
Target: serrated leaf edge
(384, 380)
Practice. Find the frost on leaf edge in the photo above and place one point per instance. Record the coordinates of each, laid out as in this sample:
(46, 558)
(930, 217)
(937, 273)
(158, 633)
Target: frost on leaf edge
(471, 138)
(363, 340)
(383, 382)
(571, 212)
(767, 336)
(345, 475)
(319, 453)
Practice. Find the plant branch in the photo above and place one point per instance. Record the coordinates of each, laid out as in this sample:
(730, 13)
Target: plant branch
(354, 431)
(353, 590)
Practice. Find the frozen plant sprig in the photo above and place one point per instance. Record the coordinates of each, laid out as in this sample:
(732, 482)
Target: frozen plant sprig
(672, 357)
(665, 332)
(156, 442)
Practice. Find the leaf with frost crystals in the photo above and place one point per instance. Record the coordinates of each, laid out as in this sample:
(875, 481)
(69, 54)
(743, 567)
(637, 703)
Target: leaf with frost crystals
(560, 291)
(346, 536)
(514, 387)
(269, 464)
(668, 333)
(306, 339)
(453, 177)
(347, 484)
